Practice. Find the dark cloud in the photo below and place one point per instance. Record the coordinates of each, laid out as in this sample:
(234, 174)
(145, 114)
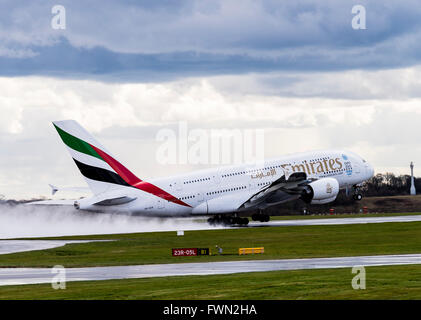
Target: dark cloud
(64, 60)
(157, 40)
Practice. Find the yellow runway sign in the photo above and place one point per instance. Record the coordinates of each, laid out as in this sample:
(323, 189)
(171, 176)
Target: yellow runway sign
(251, 250)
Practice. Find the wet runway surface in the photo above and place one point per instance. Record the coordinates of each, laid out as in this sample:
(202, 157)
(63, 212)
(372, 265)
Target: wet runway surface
(28, 222)
(335, 221)
(19, 276)
(12, 246)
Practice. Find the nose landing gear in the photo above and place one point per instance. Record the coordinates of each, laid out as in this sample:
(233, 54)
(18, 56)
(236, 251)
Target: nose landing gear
(357, 195)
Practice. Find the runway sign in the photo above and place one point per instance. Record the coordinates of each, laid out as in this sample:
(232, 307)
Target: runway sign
(203, 251)
(251, 250)
(187, 252)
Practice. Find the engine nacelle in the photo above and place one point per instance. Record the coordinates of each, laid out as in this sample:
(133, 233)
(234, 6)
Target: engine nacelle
(328, 200)
(321, 191)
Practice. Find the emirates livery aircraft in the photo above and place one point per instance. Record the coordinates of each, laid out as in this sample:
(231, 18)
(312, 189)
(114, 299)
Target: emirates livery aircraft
(221, 193)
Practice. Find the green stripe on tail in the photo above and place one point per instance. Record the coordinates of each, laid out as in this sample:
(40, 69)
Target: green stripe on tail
(77, 144)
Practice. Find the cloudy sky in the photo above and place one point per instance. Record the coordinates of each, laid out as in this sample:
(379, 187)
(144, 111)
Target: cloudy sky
(128, 69)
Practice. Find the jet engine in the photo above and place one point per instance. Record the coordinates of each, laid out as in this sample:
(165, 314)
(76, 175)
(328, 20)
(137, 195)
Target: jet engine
(321, 191)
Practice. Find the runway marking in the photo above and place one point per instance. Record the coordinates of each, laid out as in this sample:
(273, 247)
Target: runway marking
(20, 276)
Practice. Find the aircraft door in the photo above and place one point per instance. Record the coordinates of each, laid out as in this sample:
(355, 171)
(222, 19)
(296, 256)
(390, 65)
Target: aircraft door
(177, 185)
(200, 197)
(252, 186)
(216, 178)
(357, 168)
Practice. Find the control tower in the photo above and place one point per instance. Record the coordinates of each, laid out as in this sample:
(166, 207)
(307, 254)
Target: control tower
(413, 191)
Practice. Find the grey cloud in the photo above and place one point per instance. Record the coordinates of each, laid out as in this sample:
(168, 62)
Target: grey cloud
(140, 41)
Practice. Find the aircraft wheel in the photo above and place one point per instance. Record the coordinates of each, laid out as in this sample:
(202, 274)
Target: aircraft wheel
(263, 218)
(212, 221)
(228, 220)
(244, 221)
(237, 220)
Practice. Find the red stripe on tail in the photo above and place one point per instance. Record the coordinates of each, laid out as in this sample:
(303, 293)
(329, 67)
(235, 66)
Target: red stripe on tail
(134, 181)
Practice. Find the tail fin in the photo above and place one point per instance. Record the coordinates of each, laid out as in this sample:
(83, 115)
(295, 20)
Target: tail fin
(102, 172)
(54, 189)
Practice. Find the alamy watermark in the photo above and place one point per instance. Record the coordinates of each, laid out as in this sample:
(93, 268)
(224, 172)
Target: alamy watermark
(58, 22)
(358, 21)
(209, 146)
(59, 280)
(358, 282)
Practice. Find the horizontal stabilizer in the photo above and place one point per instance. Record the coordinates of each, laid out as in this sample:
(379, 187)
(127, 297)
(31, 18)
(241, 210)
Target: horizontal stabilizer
(88, 203)
(55, 189)
(52, 203)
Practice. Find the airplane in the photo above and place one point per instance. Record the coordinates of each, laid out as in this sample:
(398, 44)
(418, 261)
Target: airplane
(221, 193)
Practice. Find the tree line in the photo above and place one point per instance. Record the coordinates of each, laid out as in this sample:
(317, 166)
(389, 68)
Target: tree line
(388, 184)
(381, 185)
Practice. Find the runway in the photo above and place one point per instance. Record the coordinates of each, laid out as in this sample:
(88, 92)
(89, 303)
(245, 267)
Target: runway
(335, 221)
(12, 246)
(38, 222)
(19, 276)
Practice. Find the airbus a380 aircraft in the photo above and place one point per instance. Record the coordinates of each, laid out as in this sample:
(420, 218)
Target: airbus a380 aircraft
(222, 193)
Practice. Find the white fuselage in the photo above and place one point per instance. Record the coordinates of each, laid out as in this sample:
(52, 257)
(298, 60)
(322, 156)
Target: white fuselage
(239, 182)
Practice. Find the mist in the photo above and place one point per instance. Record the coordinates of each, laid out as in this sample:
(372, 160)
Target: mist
(19, 220)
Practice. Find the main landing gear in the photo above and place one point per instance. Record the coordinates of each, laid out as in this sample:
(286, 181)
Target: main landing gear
(260, 217)
(228, 220)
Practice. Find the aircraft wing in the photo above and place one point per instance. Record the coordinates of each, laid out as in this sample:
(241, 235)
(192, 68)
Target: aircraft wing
(279, 191)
